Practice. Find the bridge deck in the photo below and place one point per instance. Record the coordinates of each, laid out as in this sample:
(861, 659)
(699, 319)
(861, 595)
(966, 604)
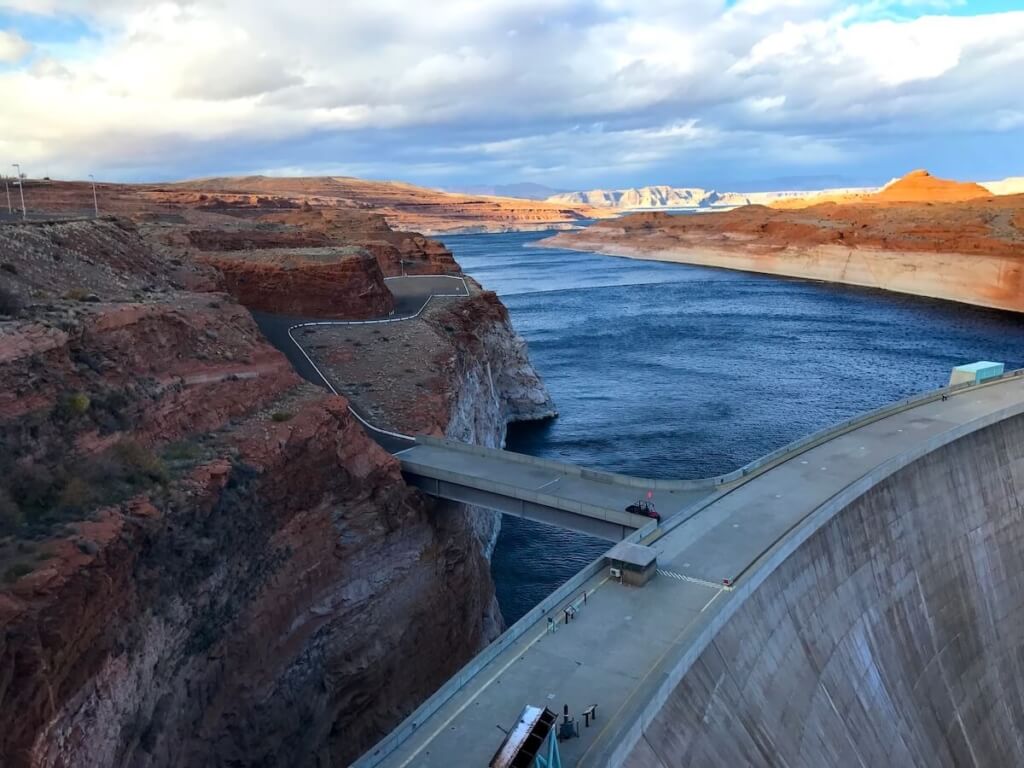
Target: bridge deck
(543, 484)
(614, 653)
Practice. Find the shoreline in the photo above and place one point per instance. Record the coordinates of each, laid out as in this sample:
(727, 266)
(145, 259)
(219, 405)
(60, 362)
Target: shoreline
(992, 282)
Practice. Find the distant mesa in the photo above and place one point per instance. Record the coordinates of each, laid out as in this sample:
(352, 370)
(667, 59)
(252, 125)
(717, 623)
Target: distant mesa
(659, 197)
(920, 186)
(916, 186)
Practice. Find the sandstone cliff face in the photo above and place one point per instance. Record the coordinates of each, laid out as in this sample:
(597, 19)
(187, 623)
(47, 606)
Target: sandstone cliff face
(328, 283)
(205, 561)
(970, 251)
(493, 381)
(493, 384)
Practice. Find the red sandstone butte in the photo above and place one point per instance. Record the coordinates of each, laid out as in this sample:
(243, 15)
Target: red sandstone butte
(332, 283)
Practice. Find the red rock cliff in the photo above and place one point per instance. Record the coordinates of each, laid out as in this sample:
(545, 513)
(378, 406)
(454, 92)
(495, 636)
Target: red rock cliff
(205, 561)
(342, 284)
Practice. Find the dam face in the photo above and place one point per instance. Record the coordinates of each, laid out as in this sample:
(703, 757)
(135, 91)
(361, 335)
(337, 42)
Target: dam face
(893, 636)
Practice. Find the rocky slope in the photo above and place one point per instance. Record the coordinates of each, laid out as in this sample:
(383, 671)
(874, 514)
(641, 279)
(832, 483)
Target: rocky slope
(204, 560)
(970, 251)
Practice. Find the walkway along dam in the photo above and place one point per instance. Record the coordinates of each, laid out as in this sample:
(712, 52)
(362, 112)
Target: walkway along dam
(853, 599)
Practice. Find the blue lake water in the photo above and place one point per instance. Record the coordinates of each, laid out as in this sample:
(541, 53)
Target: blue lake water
(669, 370)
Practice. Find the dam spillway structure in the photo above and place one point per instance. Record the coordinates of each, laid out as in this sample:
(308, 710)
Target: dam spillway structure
(852, 600)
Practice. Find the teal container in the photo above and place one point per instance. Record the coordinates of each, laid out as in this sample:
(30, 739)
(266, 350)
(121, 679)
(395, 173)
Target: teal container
(975, 373)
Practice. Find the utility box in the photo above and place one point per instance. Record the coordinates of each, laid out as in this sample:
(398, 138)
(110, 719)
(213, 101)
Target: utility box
(634, 564)
(975, 373)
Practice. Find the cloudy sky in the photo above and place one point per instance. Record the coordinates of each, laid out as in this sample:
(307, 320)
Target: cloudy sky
(734, 94)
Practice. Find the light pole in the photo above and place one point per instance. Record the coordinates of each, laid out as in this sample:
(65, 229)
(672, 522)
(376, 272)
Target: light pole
(95, 202)
(21, 189)
(7, 189)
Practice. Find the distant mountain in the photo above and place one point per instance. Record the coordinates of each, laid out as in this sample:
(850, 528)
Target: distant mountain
(655, 197)
(916, 185)
(526, 190)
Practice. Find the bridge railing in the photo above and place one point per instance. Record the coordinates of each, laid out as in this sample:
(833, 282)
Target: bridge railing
(612, 478)
(533, 618)
(615, 516)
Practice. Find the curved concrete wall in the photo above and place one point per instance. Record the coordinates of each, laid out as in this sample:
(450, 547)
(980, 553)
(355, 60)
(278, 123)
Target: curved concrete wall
(893, 636)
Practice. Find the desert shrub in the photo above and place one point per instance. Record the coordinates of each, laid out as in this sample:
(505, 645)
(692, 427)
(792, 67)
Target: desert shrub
(34, 488)
(139, 465)
(76, 294)
(78, 403)
(77, 495)
(10, 302)
(11, 517)
(280, 416)
(16, 571)
(184, 450)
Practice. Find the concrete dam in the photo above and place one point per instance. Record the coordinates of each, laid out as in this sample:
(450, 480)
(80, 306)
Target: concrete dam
(891, 636)
(852, 600)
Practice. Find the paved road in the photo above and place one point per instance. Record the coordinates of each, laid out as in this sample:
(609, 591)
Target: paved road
(614, 653)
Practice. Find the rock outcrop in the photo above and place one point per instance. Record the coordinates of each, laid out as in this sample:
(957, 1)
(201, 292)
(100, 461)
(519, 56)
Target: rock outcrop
(204, 560)
(920, 186)
(338, 283)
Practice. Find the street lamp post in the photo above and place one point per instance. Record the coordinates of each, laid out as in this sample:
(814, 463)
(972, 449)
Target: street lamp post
(7, 189)
(95, 201)
(21, 190)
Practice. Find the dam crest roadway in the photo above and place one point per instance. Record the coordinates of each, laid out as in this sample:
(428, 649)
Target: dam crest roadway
(841, 601)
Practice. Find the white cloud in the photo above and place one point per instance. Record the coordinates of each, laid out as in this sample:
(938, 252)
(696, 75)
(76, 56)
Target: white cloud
(516, 84)
(13, 48)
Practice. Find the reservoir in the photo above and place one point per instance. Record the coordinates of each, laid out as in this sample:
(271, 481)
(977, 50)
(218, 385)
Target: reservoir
(676, 371)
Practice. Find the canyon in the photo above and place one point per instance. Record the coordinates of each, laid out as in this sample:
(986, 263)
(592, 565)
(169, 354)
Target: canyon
(205, 559)
(920, 235)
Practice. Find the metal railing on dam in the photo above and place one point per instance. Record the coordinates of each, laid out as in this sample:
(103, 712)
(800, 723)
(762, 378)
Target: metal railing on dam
(631, 650)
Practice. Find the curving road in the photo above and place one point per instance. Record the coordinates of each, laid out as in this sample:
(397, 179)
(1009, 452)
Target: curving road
(412, 295)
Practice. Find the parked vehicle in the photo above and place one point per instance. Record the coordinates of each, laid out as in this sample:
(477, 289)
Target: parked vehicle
(644, 508)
